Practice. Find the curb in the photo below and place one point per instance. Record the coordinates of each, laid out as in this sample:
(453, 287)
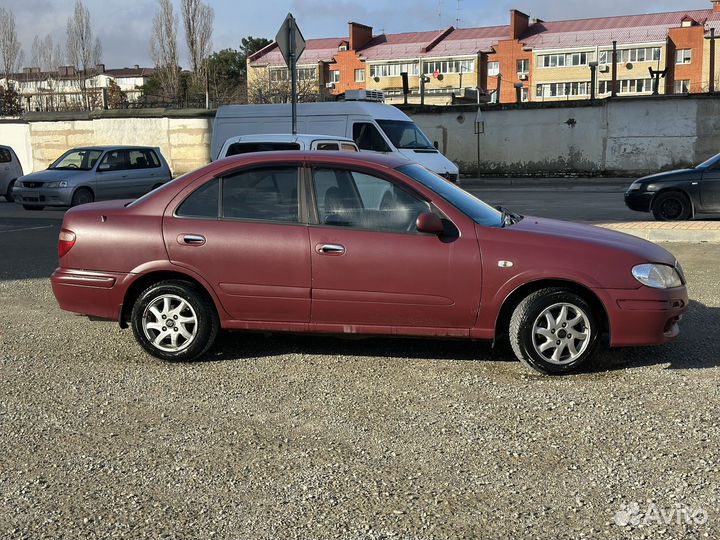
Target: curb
(689, 232)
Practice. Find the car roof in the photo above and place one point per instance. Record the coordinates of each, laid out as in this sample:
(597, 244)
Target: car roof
(287, 137)
(116, 147)
(350, 158)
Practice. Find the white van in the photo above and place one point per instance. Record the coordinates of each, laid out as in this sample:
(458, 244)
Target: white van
(375, 127)
(244, 144)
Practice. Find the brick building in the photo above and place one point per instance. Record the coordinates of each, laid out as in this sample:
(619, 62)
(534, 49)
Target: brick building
(533, 59)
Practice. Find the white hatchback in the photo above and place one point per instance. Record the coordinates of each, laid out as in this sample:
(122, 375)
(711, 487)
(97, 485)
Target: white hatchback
(244, 144)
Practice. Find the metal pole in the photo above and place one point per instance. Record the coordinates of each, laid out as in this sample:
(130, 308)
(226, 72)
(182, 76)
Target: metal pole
(614, 70)
(593, 79)
(711, 87)
(293, 74)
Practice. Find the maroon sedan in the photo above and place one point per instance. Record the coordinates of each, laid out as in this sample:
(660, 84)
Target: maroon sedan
(349, 244)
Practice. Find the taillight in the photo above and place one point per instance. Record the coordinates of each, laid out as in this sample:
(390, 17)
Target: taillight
(66, 242)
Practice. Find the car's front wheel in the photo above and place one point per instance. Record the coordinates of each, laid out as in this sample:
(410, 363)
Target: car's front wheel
(82, 196)
(554, 331)
(671, 206)
(173, 320)
(8, 194)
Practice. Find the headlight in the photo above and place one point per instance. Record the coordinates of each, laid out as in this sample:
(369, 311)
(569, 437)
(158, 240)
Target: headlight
(635, 186)
(62, 183)
(657, 276)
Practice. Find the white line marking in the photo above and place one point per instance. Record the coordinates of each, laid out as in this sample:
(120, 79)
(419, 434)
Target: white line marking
(28, 229)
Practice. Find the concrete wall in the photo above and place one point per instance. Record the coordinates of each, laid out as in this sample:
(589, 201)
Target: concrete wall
(621, 136)
(183, 136)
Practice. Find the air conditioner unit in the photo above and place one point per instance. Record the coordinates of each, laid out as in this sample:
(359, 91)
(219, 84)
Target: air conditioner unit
(604, 69)
(523, 76)
(330, 85)
(365, 95)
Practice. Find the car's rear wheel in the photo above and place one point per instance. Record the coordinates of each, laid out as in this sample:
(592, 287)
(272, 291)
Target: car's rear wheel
(173, 320)
(554, 331)
(671, 206)
(31, 207)
(8, 194)
(82, 196)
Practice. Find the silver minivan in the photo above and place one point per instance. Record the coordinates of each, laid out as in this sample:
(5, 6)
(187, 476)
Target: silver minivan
(96, 173)
(10, 171)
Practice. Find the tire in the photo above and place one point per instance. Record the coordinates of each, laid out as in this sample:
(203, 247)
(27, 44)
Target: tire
(541, 313)
(671, 206)
(82, 196)
(194, 321)
(31, 207)
(8, 194)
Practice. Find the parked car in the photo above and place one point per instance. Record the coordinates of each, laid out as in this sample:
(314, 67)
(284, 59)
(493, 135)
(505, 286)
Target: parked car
(354, 244)
(10, 171)
(244, 144)
(84, 175)
(678, 195)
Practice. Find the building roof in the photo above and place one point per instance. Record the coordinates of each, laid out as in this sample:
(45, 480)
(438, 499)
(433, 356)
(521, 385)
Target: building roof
(602, 31)
(628, 29)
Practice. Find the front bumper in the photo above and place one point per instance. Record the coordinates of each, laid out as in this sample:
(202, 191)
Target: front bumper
(42, 196)
(644, 316)
(638, 200)
(95, 294)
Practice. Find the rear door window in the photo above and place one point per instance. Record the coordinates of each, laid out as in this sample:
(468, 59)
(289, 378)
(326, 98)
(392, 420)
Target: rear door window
(143, 159)
(269, 194)
(326, 145)
(202, 203)
(5, 155)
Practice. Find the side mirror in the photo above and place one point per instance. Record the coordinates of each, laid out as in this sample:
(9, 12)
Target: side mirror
(436, 145)
(428, 222)
(103, 167)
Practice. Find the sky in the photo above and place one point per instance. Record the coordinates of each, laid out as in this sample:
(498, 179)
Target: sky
(124, 26)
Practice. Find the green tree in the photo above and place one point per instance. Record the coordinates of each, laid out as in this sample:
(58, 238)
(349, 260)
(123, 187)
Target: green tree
(227, 71)
(116, 98)
(249, 46)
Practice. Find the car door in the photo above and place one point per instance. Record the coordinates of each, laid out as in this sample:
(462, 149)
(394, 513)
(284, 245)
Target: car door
(242, 233)
(144, 172)
(370, 265)
(710, 189)
(112, 176)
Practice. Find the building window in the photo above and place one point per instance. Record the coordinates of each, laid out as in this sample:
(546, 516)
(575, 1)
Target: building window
(448, 66)
(335, 76)
(563, 60)
(562, 89)
(307, 74)
(279, 74)
(493, 69)
(359, 75)
(683, 56)
(393, 70)
(628, 86)
(682, 87)
(643, 54)
(523, 66)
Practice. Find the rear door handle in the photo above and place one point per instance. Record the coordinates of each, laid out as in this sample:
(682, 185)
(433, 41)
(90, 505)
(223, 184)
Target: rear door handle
(191, 239)
(330, 249)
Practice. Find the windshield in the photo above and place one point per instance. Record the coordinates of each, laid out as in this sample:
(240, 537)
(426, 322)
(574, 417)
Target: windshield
(480, 212)
(405, 134)
(709, 163)
(82, 160)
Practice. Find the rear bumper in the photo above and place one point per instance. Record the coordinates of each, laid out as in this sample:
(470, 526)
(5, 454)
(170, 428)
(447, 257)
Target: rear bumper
(645, 316)
(95, 294)
(638, 200)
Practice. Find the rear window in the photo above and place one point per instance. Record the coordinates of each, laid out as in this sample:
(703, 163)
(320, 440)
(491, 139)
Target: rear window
(247, 147)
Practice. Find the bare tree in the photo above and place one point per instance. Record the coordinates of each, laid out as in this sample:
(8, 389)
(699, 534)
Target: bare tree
(83, 49)
(10, 50)
(266, 85)
(198, 21)
(164, 49)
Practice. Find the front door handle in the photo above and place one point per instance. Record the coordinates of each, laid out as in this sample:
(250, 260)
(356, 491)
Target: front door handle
(191, 239)
(330, 249)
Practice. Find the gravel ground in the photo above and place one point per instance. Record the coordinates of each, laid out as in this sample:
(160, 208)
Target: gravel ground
(307, 437)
